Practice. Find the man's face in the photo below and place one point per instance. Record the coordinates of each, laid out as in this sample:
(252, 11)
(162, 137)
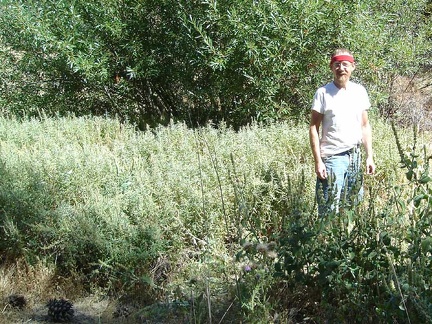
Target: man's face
(342, 70)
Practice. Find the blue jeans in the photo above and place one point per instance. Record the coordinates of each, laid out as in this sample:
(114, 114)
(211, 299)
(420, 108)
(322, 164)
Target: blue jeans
(344, 184)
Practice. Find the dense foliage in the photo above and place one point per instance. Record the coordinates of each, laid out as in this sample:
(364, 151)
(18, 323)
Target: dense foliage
(217, 222)
(152, 61)
(221, 223)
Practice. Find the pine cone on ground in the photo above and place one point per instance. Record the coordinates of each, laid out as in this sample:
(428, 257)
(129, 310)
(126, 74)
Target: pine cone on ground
(122, 311)
(60, 310)
(17, 301)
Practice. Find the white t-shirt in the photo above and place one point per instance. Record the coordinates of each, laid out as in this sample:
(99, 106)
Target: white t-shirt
(342, 110)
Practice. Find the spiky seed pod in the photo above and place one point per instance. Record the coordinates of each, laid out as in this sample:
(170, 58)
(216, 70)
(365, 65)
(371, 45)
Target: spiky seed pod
(60, 310)
(122, 311)
(17, 301)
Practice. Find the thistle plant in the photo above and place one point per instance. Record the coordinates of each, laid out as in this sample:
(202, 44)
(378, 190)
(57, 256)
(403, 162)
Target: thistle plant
(415, 262)
(256, 277)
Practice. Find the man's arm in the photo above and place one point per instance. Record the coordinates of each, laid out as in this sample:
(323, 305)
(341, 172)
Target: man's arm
(316, 119)
(367, 143)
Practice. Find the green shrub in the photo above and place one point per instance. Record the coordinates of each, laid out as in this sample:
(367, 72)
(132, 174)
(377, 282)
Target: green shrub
(199, 61)
(216, 220)
(369, 263)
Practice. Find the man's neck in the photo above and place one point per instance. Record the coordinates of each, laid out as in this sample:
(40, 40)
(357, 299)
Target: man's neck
(340, 84)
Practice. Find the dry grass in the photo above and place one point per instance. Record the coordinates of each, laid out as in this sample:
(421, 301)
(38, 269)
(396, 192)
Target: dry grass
(38, 284)
(33, 282)
(411, 101)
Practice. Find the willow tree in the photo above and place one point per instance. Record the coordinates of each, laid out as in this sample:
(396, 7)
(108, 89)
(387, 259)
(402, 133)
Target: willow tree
(151, 61)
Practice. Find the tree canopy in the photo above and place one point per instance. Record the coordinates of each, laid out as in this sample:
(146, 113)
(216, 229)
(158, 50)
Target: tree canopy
(149, 62)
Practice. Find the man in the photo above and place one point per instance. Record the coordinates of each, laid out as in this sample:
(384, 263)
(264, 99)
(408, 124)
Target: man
(340, 107)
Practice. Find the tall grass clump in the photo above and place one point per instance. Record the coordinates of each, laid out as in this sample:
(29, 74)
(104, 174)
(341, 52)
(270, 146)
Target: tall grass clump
(126, 208)
(220, 223)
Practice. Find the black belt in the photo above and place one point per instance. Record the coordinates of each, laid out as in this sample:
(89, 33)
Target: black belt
(354, 149)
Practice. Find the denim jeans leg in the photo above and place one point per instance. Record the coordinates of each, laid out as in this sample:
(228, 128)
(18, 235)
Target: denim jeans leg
(329, 190)
(343, 184)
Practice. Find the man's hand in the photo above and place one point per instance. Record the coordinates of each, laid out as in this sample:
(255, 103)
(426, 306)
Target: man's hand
(370, 166)
(321, 170)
